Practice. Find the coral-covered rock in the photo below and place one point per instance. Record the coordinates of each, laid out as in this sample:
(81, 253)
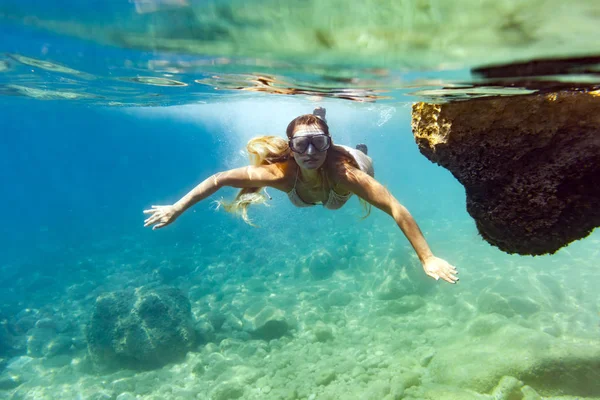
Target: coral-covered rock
(530, 164)
(142, 329)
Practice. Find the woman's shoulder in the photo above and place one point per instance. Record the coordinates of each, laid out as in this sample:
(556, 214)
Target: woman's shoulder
(351, 159)
(349, 167)
(281, 172)
(340, 168)
(276, 168)
(341, 157)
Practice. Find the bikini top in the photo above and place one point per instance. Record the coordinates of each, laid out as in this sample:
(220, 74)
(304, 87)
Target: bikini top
(335, 200)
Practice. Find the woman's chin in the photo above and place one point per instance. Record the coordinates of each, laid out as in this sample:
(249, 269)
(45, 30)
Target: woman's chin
(312, 164)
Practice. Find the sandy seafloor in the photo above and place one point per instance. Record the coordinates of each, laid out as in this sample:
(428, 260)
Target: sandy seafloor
(367, 332)
(365, 322)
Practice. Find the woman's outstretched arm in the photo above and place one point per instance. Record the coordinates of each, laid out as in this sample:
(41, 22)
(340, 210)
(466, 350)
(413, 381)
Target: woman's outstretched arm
(375, 193)
(251, 176)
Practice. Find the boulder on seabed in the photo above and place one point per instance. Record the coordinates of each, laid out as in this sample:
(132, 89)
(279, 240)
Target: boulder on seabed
(321, 264)
(143, 328)
(265, 321)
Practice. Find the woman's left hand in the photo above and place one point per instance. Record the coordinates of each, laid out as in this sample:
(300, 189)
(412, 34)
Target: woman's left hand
(438, 268)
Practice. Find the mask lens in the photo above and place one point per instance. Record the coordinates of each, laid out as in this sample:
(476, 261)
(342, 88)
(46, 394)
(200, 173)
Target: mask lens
(321, 142)
(299, 144)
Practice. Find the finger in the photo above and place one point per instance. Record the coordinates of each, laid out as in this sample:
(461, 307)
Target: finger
(447, 279)
(158, 226)
(449, 267)
(153, 216)
(152, 220)
(149, 211)
(450, 278)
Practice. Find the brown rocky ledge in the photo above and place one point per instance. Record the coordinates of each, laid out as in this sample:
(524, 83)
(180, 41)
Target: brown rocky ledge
(530, 164)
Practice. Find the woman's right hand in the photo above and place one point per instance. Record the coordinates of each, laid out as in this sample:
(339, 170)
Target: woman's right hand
(438, 268)
(161, 216)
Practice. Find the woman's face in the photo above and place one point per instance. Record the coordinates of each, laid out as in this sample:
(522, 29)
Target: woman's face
(312, 157)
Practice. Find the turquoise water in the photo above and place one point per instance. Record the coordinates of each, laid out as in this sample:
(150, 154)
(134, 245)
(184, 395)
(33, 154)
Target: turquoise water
(98, 125)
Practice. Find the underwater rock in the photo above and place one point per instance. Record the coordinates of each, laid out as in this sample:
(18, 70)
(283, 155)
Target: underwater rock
(46, 323)
(542, 75)
(322, 333)
(530, 394)
(325, 377)
(550, 366)
(37, 340)
(228, 390)
(8, 342)
(197, 292)
(486, 324)
(523, 306)
(10, 382)
(338, 298)
(529, 164)
(390, 289)
(26, 320)
(256, 285)
(445, 392)
(490, 302)
(56, 361)
(405, 282)
(404, 305)
(508, 388)
(123, 385)
(216, 320)
(141, 329)
(126, 396)
(44, 339)
(168, 271)
(58, 346)
(321, 264)
(425, 355)
(266, 322)
(540, 67)
(205, 332)
(24, 368)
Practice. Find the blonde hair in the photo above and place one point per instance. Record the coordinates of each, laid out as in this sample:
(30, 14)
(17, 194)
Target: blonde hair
(262, 150)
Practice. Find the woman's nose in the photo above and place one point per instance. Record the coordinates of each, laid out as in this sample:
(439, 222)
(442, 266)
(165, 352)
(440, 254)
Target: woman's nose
(311, 149)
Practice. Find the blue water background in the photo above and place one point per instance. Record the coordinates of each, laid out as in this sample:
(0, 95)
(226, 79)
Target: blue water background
(76, 176)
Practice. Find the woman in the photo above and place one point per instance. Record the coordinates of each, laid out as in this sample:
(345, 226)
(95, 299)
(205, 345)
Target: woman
(311, 170)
